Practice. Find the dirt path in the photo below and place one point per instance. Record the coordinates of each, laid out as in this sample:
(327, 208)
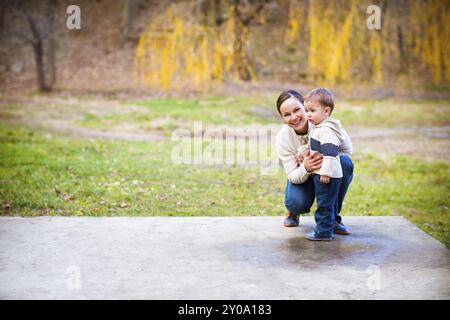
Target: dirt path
(61, 115)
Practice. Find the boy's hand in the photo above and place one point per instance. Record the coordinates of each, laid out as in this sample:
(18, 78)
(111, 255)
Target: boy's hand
(324, 179)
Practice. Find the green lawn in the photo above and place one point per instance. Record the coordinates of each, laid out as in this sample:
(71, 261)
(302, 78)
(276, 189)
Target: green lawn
(393, 112)
(44, 174)
(167, 114)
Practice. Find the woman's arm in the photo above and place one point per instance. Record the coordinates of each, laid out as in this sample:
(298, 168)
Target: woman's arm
(296, 172)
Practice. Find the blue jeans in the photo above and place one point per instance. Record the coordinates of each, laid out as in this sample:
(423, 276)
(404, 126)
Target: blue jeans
(326, 197)
(300, 197)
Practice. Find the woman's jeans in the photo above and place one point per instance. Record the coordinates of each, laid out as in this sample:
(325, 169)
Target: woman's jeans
(300, 197)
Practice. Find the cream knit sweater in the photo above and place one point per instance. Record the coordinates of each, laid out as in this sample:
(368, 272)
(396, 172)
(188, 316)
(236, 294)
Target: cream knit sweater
(287, 144)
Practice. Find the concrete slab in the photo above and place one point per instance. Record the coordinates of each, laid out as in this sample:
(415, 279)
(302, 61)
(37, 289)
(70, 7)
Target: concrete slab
(217, 258)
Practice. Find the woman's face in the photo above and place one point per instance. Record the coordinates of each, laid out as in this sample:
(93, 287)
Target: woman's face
(294, 115)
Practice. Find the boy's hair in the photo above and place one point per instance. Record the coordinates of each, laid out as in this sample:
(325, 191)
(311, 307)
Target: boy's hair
(323, 96)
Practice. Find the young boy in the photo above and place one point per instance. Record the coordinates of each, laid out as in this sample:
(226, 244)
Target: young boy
(329, 138)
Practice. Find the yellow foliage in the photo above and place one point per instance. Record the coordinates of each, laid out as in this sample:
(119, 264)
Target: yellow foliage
(218, 66)
(424, 27)
(430, 35)
(175, 51)
(337, 67)
(314, 42)
(296, 16)
(375, 45)
(329, 48)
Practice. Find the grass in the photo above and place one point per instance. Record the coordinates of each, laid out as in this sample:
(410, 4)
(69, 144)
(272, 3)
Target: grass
(43, 174)
(167, 114)
(394, 112)
(51, 175)
(406, 186)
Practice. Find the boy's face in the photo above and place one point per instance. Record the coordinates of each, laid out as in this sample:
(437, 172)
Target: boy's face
(316, 113)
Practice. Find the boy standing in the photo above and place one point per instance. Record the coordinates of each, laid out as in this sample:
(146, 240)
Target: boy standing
(328, 138)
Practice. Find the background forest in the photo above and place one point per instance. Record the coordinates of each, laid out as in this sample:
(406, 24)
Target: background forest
(196, 45)
(87, 115)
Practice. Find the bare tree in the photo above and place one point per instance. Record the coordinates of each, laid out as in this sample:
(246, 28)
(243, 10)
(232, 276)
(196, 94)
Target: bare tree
(51, 41)
(34, 25)
(130, 8)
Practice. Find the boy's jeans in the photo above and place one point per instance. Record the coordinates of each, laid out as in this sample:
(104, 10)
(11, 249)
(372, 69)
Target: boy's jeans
(300, 197)
(327, 197)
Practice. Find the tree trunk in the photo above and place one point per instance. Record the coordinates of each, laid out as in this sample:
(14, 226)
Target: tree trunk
(128, 13)
(242, 60)
(51, 43)
(37, 43)
(402, 64)
(39, 57)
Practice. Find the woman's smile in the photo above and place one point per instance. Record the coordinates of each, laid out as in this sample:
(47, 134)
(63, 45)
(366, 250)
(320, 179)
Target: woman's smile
(296, 123)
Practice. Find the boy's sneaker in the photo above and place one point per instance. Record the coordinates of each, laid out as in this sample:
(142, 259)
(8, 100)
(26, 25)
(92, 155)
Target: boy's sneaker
(292, 220)
(339, 228)
(313, 237)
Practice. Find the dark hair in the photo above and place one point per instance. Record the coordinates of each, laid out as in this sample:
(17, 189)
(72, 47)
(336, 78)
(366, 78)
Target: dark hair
(286, 95)
(323, 96)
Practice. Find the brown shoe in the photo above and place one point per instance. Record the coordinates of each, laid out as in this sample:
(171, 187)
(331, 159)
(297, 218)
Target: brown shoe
(292, 220)
(339, 228)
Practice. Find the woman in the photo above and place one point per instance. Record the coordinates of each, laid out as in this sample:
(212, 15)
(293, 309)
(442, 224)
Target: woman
(299, 193)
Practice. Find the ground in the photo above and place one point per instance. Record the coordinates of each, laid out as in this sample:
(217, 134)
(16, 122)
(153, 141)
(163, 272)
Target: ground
(217, 258)
(65, 154)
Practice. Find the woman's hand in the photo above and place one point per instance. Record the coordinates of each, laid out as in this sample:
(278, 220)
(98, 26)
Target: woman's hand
(299, 158)
(312, 161)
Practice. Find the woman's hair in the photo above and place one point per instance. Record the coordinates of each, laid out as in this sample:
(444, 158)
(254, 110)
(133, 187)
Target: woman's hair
(286, 95)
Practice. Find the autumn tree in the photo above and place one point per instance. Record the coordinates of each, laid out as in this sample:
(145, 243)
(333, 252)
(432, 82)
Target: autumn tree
(340, 49)
(197, 44)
